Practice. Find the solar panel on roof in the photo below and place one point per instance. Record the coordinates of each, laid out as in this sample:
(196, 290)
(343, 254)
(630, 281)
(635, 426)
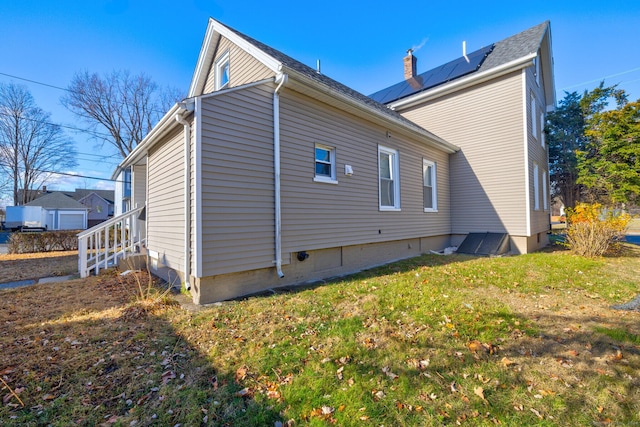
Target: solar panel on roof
(434, 77)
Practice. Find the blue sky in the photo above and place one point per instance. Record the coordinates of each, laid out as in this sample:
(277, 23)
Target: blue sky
(360, 44)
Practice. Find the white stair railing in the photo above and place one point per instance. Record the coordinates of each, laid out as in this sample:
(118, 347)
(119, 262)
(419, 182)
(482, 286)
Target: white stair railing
(107, 243)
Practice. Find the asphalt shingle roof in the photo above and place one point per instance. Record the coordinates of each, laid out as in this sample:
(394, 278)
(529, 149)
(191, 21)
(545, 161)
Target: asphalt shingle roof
(502, 52)
(516, 46)
(312, 74)
(56, 200)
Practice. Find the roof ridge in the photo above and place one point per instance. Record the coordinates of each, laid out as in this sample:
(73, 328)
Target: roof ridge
(327, 81)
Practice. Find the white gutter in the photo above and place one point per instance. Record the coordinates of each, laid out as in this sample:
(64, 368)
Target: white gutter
(141, 149)
(184, 109)
(281, 78)
(464, 82)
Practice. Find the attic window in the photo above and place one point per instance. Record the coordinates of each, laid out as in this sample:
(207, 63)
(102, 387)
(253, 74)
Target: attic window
(222, 71)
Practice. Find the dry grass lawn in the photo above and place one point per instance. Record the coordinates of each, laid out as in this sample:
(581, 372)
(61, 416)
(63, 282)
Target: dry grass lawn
(15, 267)
(527, 340)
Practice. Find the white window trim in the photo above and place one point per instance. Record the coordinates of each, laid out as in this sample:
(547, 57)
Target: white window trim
(332, 159)
(542, 140)
(395, 177)
(434, 188)
(534, 117)
(545, 199)
(536, 187)
(224, 59)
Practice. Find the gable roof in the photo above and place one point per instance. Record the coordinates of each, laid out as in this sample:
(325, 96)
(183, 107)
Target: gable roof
(319, 85)
(512, 53)
(56, 200)
(516, 46)
(445, 73)
(81, 193)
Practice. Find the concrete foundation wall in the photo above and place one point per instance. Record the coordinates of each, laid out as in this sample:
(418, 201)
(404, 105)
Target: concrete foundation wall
(320, 264)
(519, 244)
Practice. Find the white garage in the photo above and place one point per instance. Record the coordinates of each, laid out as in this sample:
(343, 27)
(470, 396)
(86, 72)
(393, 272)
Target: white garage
(62, 212)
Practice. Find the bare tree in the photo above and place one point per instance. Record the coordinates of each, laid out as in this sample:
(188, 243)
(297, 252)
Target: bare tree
(31, 147)
(125, 106)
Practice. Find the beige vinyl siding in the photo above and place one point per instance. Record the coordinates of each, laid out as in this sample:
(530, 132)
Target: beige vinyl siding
(237, 181)
(317, 215)
(165, 216)
(243, 68)
(140, 191)
(487, 175)
(139, 185)
(539, 218)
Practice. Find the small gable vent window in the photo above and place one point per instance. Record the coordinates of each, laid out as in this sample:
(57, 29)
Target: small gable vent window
(222, 71)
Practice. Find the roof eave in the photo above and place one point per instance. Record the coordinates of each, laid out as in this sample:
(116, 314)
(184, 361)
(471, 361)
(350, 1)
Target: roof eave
(216, 29)
(369, 112)
(165, 124)
(464, 82)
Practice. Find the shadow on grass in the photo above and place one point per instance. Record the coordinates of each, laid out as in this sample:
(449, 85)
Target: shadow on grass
(73, 354)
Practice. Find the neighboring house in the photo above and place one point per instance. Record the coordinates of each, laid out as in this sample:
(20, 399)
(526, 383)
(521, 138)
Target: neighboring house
(100, 209)
(492, 104)
(61, 211)
(100, 203)
(271, 174)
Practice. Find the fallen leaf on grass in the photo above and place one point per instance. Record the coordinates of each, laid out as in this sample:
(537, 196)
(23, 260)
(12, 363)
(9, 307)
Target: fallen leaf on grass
(536, 412)
(617, 356)
(506, 362)
(245, 392)
(241, 373)
(48, 397)
(168, 376)
(388, 372)
(479, 391)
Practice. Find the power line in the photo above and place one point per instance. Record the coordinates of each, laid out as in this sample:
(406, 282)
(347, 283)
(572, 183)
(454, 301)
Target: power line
(633, 70)
(59, 88)
(97, 134)
(79, 176)
(35, 82)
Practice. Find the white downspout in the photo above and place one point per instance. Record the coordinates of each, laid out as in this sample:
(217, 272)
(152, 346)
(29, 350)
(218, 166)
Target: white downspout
(281, 78)
(185, 108)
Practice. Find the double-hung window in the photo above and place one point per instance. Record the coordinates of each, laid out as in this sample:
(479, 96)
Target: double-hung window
(389, 177)
(429, 186)
(325, 164)
(222, 71)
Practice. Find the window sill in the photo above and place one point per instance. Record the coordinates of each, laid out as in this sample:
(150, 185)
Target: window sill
(430, 210)
(325, 180)
(388, 209)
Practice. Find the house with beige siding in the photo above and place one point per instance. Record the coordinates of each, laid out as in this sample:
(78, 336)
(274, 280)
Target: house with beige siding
(495, 112)
(271, 174)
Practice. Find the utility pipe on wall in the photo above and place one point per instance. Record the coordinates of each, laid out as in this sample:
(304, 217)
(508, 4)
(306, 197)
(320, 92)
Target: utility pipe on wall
(281, 79)
(185, 108)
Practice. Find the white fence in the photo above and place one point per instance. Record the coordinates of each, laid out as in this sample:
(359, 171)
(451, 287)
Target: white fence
(107, 243)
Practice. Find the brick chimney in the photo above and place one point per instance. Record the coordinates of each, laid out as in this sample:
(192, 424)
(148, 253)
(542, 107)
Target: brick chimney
(410, 63)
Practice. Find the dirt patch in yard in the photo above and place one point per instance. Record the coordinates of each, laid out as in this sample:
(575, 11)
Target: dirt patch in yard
(15, 267)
